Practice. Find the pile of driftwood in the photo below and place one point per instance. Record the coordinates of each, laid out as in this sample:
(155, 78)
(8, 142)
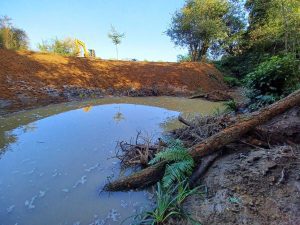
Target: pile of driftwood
(207, 142)
(137, 153)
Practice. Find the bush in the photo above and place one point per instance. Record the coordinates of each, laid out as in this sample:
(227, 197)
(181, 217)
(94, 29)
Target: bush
(231, 81)
(231, 106)
(65, 47)
(274, 76)
(13, 38)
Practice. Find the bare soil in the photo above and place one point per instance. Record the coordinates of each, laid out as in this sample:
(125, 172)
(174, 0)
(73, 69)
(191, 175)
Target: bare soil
(30, 79)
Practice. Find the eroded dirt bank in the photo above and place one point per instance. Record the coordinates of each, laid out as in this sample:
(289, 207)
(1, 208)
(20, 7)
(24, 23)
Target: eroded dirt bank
(30, 79)
(255, 180)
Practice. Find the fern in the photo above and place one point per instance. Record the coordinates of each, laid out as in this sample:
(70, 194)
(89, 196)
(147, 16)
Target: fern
(172, 155)
(181, 163)
(177, 171)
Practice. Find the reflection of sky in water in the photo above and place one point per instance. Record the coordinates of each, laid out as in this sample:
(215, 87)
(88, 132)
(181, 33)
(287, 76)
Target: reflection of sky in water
(53, 171)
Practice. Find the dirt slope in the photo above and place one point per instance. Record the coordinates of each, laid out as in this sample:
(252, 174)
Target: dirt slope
(29, 78)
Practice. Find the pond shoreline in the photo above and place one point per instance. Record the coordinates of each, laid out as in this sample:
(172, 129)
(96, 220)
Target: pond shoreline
(85, 94)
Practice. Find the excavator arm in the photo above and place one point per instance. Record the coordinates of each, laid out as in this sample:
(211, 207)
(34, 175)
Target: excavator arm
(79, 44)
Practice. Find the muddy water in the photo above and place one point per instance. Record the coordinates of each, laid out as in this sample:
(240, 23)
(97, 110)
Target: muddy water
(55, 160)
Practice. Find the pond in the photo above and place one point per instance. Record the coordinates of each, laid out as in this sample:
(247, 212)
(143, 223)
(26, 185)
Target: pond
(56, 159)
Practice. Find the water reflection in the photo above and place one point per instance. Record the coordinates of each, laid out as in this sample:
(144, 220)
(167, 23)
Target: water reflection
(118, 117)
(87, 108)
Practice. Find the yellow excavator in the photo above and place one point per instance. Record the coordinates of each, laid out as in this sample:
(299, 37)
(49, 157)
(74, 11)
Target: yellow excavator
(86, 53)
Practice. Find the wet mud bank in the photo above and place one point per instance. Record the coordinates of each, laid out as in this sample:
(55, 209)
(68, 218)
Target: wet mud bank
(51, 95)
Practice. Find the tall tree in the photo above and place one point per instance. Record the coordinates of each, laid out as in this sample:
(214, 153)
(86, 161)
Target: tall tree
(198, 25)
(116, 38)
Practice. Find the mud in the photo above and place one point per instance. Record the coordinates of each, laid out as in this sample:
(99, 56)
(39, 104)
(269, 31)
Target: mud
(257, 187)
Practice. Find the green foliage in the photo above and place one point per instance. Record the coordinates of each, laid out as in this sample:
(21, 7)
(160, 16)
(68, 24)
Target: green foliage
(165, 207)
(169, 205)
(274, 25)
(258, 101)
(274, 76)
(232, 81)
(12, 37)
(200, 24)
(174, 188)
(231, 106)
(65, 47)
(181, 163)
(179, 169)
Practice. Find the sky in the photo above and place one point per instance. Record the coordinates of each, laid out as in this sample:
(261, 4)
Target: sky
(142, 21)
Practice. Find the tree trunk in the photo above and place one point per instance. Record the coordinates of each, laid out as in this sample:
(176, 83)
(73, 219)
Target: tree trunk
(233, 133)
(203, 51)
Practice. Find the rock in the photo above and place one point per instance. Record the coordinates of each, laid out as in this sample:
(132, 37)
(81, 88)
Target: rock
(5, 103)
(26, 100)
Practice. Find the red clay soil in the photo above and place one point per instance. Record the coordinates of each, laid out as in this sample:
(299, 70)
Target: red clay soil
(24, 74)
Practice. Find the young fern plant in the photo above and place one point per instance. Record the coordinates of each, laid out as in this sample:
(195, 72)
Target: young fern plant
(180, 165)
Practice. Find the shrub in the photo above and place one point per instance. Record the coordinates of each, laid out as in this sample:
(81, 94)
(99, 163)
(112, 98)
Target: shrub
(231, 106)
(231, 81)
(274, 76)
(65, 47)
(258, 100)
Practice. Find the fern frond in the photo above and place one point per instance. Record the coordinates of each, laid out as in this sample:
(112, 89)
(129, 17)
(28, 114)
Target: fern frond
(177, 172)
(172, 155)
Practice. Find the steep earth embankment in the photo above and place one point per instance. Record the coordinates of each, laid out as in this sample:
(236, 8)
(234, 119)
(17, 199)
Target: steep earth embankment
(31, 79)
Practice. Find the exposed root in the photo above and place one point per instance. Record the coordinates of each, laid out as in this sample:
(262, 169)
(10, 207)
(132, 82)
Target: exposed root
(139, 152)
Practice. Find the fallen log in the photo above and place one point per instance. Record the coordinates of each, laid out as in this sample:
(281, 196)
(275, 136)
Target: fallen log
(185, 122)
(140, 179)
(206, 162)
(230, 134)
(244, 125)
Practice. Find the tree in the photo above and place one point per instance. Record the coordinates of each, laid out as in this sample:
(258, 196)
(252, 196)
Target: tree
(235, 21)
(274, 25)
(198, 25)
(10, 36)
(116, 38)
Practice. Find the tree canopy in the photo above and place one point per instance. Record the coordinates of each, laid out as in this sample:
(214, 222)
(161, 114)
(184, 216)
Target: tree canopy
(202, 24)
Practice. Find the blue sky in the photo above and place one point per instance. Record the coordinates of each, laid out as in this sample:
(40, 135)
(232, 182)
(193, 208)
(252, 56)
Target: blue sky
(143, 22)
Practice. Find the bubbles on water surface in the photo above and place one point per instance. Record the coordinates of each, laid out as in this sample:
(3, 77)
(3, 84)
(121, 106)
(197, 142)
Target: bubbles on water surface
(29, 204)
(10, 208)
(82, 180)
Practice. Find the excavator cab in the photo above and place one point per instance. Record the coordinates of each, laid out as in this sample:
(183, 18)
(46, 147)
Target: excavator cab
(86, 53)
(92, 53)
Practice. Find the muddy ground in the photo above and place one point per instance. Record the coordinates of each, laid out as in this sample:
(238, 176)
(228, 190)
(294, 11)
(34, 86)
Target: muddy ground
(257, 187)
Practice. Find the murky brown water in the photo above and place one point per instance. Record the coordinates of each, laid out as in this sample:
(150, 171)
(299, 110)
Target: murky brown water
(56, 159)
